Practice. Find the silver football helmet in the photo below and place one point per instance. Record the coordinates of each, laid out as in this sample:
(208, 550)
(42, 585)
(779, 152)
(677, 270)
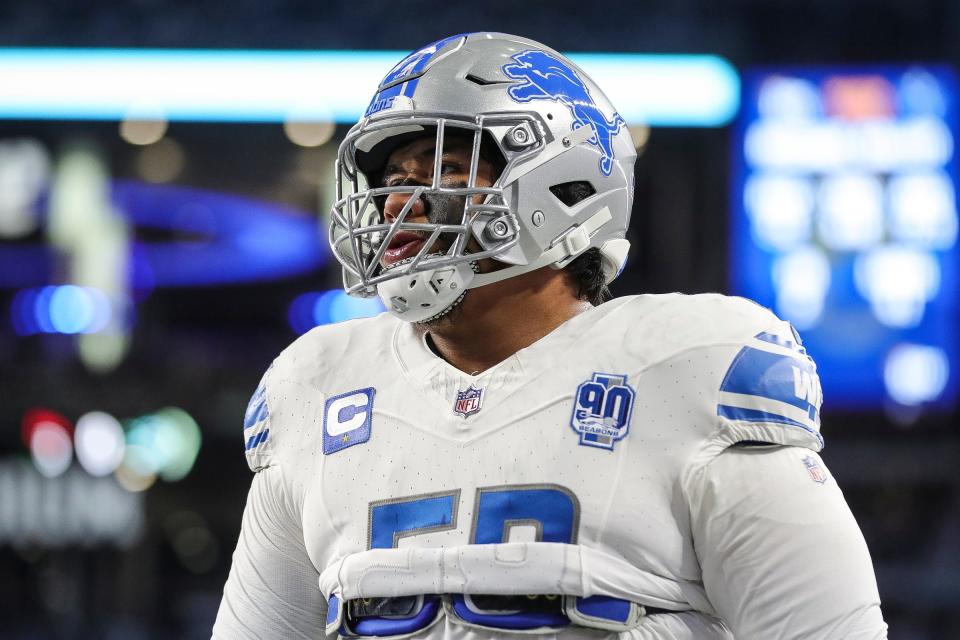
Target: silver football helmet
(548, 124)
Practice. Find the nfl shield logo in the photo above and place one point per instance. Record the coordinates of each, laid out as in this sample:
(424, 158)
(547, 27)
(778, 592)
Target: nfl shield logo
(468, 402)
(817, 474)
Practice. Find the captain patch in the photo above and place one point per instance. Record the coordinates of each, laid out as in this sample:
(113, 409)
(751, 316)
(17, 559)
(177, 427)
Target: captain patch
(347, 419)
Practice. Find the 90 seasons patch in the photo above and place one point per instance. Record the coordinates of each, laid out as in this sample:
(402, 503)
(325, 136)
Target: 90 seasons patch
(602, 408)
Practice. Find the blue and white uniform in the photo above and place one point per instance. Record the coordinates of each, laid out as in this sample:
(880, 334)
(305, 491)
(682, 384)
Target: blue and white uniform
(647, 470)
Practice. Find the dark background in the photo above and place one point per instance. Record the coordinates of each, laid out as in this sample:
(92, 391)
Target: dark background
(204, 349)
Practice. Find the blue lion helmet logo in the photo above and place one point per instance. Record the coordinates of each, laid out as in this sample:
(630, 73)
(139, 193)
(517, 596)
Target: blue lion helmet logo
(546, 77)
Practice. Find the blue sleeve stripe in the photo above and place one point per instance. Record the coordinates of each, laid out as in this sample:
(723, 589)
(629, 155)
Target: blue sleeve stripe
(754, 415)
(776, 376)
(772, 338)
(809, 417)
(257, 438)
(256, 414)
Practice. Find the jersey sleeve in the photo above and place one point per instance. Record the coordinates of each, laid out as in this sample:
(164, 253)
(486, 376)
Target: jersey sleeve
(771, 391)
(781, 555)
(273, 588)
(256, 425)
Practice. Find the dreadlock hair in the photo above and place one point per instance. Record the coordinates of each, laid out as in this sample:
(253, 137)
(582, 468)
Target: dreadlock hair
(586, 270)
(587, 273)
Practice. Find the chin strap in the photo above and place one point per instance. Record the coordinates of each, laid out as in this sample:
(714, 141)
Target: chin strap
(563, 250)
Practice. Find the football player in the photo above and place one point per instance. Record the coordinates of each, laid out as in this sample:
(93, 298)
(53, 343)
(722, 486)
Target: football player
(505, 453)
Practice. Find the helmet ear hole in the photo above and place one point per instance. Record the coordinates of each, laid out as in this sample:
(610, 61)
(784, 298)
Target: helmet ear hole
(570, 193)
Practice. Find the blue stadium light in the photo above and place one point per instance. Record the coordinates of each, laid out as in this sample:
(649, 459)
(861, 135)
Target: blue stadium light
(845, 221)
(315, 308)
(237, 239)
(21, 313)
(276, 86)
(67, 309)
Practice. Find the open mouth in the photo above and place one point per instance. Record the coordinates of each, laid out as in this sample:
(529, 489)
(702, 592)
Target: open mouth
(404, 245)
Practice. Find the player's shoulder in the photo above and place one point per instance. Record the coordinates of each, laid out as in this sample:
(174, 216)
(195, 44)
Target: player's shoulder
(659, 326)
(286, 394)
(333, 349)
(761, 383)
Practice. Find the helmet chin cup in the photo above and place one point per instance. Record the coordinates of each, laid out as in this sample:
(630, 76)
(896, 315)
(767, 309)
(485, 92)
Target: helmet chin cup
(426, 294)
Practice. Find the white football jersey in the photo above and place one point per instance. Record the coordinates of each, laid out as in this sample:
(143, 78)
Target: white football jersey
(595, 483)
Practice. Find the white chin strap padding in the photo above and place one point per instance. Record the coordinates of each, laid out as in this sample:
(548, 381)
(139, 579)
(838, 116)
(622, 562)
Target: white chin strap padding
(614, 254)
(419, 296)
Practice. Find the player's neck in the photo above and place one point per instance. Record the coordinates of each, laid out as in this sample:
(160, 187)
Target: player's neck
(496, 321)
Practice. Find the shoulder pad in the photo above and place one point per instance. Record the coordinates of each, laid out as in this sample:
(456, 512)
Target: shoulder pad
(659, 327)
(307, 361)
(307, 366)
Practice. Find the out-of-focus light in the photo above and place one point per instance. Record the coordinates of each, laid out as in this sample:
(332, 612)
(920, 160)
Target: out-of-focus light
(67, 309)
(802, 279)
(166, 443)
(254, 241)
(897, 282)
(134, 473)
(923, 210)
(914, 374)
(789, 98)
(344, 307)
(21, 312)
(181, 439)
(267, 86)
(320, 312)
(192, 541)
(70, 511)
(71, 309)
(316, 308)
(851, 212)
(41, 310)
(872, 262)
(309, 134)
(640, 134)
(926, 143)
(24, 171)
(99, 442)
(780, 209)
(793, 145)
(859, 97)
(143, 132)
(921, 94)
(825, 146)
(51, 448)
(300, 313)
(161, 162)
(39, 415)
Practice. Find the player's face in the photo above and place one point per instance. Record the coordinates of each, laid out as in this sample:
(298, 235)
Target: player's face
(413, 164)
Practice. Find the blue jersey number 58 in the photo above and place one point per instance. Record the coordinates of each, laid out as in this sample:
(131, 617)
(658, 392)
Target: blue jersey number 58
(553, 511)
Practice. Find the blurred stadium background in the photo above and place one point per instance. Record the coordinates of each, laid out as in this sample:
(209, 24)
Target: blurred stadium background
(162, 208)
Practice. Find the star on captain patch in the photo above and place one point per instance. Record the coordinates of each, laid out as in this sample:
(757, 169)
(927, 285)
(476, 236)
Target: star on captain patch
(468, 402)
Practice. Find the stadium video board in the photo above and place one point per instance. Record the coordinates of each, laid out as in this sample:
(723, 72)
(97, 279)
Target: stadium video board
(844, 222)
